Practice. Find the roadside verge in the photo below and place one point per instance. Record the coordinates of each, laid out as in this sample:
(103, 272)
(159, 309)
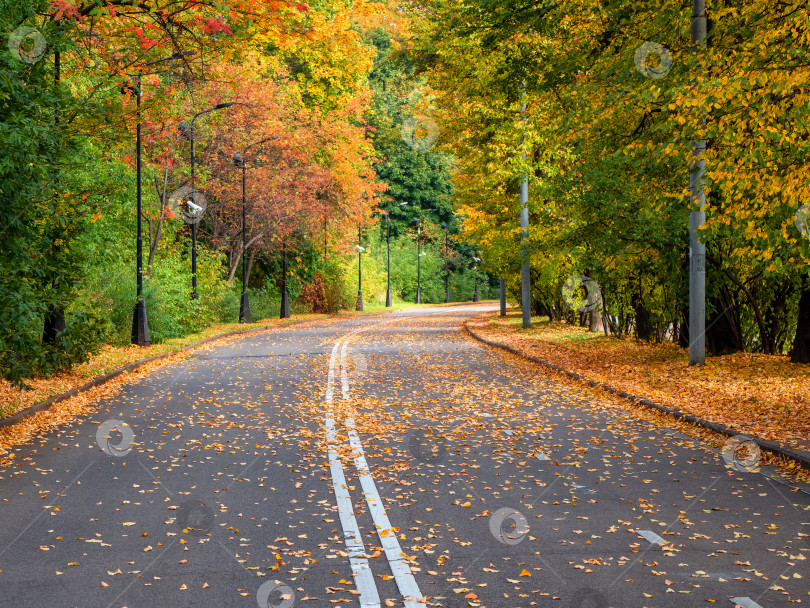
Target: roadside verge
(475, 327)
(97, 381)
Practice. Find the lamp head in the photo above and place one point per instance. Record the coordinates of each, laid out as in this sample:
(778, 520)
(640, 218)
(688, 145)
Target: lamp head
(238, 160)
(185, 130)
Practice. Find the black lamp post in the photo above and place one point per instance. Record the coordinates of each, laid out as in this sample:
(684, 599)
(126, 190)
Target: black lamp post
(140, 326)
(240, 160)
(446, 269)
(187, 130)
(418, 223)
(244, 304)
(285, 297)
(360, 250)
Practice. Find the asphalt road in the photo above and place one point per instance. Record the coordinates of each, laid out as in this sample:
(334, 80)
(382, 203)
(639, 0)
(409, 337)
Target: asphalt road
(387, 460)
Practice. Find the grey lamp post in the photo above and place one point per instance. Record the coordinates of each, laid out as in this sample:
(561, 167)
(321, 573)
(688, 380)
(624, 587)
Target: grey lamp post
(475, 296)
(240, 160)
(418, 223)
(187, 130)
(446, 269)
(360, 250)
(388, 302)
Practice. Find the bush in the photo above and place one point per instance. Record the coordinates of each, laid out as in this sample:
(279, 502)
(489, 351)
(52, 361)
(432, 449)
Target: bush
(329, 291)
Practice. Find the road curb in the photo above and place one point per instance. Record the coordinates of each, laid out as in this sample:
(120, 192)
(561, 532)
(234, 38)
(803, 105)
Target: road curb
(799, 456)
(100, 380)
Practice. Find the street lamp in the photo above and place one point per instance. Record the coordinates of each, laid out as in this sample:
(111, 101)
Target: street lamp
(240, 160)
(418, 223)
(446, 269)
(360, 250)
(140, 326)
(187, 130)
(388, 302)
(388, 298)
(475, 296)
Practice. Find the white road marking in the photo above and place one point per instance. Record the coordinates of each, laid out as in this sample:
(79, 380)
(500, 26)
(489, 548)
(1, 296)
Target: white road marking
(541, 456)
(745, 602)
(652, 537)
(363, 577)
(388, 537)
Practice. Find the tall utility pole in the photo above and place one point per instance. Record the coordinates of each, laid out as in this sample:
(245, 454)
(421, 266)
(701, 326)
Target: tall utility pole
(388, 301)
(525, 268)
(446, 269)
(697, 217)
(359, 306)
(503, 298)
(418, 223)
(140, 326)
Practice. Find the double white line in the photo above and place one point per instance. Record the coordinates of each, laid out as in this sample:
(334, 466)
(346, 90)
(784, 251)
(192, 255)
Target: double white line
(363, 576)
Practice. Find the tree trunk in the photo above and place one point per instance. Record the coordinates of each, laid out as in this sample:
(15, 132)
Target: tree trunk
(801, 344)
(773, 317)
(722, 329)
(643, 325)
(233, 263)
(250, 264)
(153, 244)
